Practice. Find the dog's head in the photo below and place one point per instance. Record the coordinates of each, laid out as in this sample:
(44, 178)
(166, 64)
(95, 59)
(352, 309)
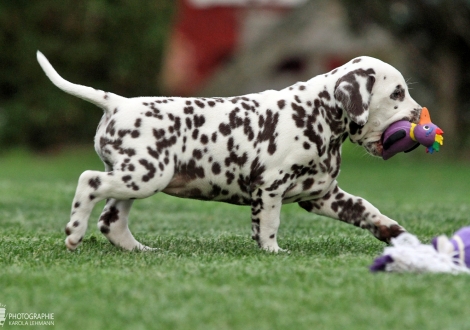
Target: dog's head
(373, 95)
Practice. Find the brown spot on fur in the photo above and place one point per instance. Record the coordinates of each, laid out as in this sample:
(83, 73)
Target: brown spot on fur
(110, 216)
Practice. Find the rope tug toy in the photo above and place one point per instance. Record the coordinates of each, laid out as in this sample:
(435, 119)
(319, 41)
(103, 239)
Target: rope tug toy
(444, 255)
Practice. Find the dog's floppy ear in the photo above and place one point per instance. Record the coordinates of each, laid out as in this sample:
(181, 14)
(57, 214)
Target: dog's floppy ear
(353, 92)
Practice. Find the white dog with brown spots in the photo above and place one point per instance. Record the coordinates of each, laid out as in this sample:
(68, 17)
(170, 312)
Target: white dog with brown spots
(262, 149)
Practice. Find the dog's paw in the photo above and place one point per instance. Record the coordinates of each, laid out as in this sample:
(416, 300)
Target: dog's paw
(386, 233)
(274, 249)
(71, 244)
(134, 246)
(145, 248)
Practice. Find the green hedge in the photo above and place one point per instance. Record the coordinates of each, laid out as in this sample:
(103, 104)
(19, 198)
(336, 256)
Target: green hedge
(110, 45)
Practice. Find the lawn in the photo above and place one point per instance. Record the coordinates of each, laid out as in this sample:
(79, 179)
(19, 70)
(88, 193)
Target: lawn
(209, 274)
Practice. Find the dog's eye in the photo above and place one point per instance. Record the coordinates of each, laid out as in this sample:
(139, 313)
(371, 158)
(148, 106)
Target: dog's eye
(398, 93)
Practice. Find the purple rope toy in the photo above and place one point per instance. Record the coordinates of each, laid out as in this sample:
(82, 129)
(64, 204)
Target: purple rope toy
(444, 255)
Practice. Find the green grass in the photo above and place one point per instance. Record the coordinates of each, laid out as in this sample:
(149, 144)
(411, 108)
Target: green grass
(209, 274)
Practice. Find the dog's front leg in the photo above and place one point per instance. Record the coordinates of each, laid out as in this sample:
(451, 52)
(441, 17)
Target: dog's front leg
(340, 205)
(265, 219)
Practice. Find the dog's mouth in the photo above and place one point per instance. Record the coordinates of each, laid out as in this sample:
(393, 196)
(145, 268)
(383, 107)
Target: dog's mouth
(376, 147)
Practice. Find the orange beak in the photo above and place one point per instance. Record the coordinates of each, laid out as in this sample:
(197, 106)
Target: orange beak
(425, 118)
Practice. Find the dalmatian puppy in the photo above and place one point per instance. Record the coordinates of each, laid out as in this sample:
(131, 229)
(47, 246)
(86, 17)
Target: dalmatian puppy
(262, 150)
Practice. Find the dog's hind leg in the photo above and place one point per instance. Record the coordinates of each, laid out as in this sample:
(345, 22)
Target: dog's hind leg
(113, 224)
(94, 186)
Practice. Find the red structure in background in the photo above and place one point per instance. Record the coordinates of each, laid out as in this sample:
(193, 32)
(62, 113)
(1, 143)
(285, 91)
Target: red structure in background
(204, 37)
(201, 40)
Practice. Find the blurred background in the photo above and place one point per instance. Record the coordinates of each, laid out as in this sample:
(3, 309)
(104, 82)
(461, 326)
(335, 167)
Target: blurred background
(219, 48)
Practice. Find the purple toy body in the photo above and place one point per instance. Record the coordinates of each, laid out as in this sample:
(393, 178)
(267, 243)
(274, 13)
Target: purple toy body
(403, 136)
(397, 139)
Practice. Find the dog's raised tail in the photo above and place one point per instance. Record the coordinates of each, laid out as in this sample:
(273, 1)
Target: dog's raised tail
(97, 97)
